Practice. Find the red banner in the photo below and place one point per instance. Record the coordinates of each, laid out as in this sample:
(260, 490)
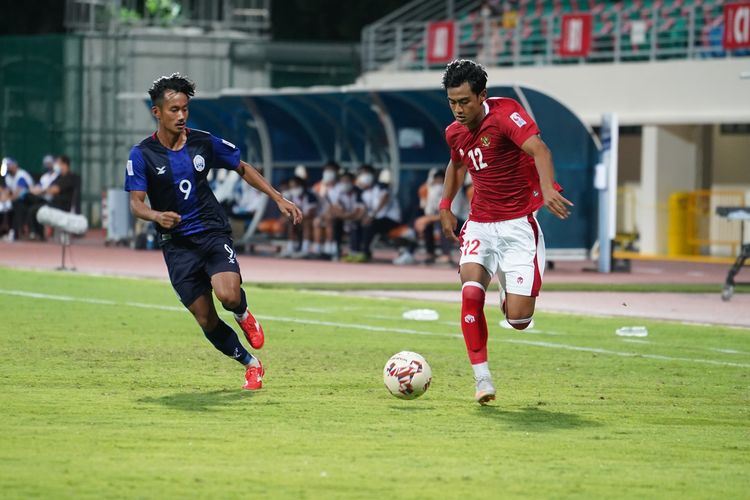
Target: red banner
(737, 25)
(441, 42)
(575, 35)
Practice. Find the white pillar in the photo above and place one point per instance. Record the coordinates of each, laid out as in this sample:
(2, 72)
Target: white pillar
(670, 161)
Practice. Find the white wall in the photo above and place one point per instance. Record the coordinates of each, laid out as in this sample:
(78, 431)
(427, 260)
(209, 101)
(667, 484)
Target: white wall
(684, 91)
(731, 157)
(670, 161)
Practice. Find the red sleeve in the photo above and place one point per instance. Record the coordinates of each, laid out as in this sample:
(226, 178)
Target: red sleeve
(516, 123)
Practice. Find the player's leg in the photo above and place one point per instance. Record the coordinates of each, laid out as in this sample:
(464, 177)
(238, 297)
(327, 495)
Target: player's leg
(193, 287)
(228, 289)
(521, 269)
(477, 256)
(221, 265)
(474, 282)
(225, 340)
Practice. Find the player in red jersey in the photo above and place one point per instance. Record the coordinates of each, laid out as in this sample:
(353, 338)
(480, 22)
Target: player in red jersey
(498, 143)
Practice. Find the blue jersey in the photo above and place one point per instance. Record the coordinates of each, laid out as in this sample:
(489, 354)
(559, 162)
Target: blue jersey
(175, 181)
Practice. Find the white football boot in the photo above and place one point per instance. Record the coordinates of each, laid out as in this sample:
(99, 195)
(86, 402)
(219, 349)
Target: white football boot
(485, 390)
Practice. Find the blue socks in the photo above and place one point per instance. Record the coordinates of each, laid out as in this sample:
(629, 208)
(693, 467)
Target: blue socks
(225, 340)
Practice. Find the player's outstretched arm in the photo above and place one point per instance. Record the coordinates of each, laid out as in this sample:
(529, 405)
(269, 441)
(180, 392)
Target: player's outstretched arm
(253, 177)
(553, 200)
(454, 178)
(138, 206)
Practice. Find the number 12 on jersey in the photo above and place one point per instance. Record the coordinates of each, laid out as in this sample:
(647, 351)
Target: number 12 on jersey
(477, 158)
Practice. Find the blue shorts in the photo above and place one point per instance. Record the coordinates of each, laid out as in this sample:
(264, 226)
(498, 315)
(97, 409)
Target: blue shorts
(192, 260)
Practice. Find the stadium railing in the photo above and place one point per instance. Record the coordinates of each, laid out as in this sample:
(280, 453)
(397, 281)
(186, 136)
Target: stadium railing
(626, 31)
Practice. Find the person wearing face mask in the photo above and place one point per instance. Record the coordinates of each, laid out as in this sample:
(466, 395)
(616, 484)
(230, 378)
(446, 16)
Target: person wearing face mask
(299, 235)
(39, 195)
(323, 241)
(51, 171)
(346, 211)
(18, 184)
(426, 224)
(383, 212)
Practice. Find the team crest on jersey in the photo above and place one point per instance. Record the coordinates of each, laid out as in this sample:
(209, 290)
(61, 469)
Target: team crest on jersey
(485, 141)
(199, 163)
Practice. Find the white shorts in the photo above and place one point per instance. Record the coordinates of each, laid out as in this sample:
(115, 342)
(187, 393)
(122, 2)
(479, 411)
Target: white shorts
(514, 249)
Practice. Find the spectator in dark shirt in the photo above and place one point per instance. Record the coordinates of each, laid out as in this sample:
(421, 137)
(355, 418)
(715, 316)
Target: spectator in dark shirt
(63, 194)
(65, 190)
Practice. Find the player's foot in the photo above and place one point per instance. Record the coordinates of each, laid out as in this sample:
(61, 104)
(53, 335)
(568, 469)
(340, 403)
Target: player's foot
(252, 329)
(485, 390)
(254, 377)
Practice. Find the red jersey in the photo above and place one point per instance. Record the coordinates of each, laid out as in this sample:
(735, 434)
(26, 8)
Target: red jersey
(506, 182)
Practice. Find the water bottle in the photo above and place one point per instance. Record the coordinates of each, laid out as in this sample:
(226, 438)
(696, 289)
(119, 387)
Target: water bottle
(632, 331)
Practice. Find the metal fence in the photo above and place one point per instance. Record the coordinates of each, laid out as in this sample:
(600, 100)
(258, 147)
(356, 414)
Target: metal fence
(687, 32)
(41, 109)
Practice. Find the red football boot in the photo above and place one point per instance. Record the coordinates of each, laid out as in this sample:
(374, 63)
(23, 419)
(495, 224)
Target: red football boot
(254, 377)
(252, 330)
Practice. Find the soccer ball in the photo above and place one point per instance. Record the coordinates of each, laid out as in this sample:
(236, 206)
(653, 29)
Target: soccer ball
(407, 375)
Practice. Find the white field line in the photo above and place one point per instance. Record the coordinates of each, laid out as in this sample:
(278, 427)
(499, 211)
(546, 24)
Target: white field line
(624, 354)
(372, 328)
(728, 351)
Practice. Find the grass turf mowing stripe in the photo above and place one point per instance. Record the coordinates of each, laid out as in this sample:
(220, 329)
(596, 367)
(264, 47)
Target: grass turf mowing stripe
(373, 328)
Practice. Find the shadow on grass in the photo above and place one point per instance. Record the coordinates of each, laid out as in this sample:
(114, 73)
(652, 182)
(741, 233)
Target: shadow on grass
(536, 419)
(412, 408)
(199, 401)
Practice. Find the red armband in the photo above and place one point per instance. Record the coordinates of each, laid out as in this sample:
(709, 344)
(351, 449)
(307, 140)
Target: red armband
(445, 204)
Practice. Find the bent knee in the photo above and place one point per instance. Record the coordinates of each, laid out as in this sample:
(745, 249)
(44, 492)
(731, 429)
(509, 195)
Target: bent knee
(228, 298)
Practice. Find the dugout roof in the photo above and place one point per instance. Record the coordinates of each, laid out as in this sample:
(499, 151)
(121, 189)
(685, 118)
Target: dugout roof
(402, 130)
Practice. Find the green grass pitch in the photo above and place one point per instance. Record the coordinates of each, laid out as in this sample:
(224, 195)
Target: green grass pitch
(110, 390)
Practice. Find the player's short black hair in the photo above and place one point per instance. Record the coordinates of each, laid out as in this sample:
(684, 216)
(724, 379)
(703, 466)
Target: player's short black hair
(64, 159)
(463, 70)
(173, 82)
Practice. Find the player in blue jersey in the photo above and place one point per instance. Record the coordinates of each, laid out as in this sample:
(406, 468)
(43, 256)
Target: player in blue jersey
(194, 234)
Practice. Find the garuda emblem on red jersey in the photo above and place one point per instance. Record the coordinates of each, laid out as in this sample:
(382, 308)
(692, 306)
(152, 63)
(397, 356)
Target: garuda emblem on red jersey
(485, 141)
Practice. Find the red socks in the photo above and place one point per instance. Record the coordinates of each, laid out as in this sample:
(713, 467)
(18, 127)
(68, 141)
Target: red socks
(473, 323)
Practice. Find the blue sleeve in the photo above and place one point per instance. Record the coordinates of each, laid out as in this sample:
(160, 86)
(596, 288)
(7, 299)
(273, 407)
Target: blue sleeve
(135, 172)
(226, 154)
(22, 183)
